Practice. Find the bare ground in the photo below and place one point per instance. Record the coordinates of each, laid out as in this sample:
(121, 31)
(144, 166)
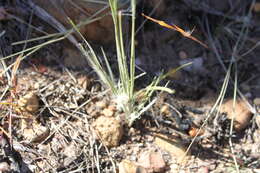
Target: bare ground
(58, 136)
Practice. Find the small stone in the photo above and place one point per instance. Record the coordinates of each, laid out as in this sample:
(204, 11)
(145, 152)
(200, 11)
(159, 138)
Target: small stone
(242, 114)
(70, 150)
(127, 166)
(174, 167)
(131, 131)
(193, 132)
(4, 167)
(41, 134)
(84, 82)
(36, 133)
(165, 110)
(212, 167)
(112, 107)
(36, 86)
(28, 103)
(149, 138)
(203, 169)
(257, 101)
(152, 161)
(101, 104)
(51, 87)
(108, 112)
(109, 129)
(174, 146)
(42, 68)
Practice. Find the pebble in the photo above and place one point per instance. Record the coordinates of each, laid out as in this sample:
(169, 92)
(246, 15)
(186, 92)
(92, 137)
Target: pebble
(152, 161)
(241, 113)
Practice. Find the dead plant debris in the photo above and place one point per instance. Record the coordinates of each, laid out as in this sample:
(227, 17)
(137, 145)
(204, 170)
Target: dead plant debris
(55, 118)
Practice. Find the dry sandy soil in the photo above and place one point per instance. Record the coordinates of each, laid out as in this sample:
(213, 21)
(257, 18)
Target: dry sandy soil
(57, 116)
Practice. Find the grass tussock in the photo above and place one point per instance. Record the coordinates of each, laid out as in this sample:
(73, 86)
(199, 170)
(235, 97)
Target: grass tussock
(123, 89)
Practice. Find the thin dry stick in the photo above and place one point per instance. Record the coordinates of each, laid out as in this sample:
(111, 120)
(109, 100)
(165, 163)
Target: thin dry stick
(231, 129)
(217, 53)
(109, 154)
(13, 84)
(5, 132)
